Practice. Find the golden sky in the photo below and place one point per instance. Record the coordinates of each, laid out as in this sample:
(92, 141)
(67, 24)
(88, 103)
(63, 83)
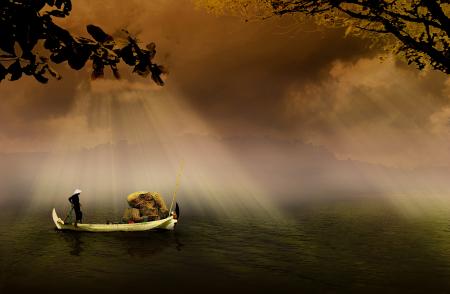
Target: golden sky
(276, 78)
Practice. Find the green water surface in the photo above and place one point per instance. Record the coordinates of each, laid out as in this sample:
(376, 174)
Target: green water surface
(353, 246)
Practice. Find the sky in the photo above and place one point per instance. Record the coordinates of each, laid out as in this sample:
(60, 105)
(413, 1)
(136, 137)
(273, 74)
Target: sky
(269, 84)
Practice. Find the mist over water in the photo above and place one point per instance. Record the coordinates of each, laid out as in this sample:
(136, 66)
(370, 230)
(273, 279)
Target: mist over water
(221, 176)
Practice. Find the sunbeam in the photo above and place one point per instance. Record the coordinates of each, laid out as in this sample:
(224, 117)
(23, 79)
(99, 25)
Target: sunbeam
(137, 140)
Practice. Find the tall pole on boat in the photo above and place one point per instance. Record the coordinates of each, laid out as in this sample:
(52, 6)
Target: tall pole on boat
(177, 184)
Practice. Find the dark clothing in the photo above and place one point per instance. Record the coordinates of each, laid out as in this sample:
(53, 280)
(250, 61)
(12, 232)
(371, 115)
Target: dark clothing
(75, 200)
(78, 215)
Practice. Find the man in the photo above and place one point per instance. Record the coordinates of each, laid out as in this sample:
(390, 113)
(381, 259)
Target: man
(75, 201)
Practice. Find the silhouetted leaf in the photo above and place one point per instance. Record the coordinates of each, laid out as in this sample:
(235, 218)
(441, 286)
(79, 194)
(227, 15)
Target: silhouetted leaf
(51, 44)
(59, 33)
(151, 50)
(127, 55)
(66, 5)
(109, 44)
(40, 78)
(39, 4)
(15, 70)
(6, 40)
(142, 68)
(115, 71)
(98, 34)
(54, 73)
(79, 57)
(157, 71)
(3, 72)
(29, 69)
(151, 46)
(57, 13)
(97, 69)
(60, 56)
(28, 55)
(28, 33)
(23, 23)
(77, 62)
(59, 3)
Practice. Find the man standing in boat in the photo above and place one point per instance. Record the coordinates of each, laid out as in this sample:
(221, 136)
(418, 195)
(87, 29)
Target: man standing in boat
(75, 201)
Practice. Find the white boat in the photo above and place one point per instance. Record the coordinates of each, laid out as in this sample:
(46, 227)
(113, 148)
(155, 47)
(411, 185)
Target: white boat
(166, 224)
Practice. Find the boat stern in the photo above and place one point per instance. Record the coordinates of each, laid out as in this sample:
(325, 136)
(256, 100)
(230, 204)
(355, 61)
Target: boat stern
(58, 222)
(169, 224)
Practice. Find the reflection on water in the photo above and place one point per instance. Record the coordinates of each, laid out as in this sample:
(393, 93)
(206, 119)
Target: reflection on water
(76, 245)
(74, 241)
(335, 247)
(138, 244)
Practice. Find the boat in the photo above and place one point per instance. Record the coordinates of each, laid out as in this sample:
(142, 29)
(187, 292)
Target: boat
(165, 224)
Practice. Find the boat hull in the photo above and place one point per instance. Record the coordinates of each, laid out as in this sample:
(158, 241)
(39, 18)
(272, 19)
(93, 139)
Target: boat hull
(166, 224)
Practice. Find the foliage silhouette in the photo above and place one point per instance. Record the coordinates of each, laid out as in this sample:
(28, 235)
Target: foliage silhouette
(27, 26)
(417, 30)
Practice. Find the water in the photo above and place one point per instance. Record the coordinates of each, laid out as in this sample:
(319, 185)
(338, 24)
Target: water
(331, 247)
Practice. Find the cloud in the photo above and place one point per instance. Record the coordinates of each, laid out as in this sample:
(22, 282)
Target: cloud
(273, 78)
(223, 67)
(376, 112)
(27, 104)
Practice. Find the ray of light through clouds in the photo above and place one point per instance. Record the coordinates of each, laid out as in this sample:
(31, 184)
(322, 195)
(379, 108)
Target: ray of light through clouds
(135, 139)
(261, 112)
